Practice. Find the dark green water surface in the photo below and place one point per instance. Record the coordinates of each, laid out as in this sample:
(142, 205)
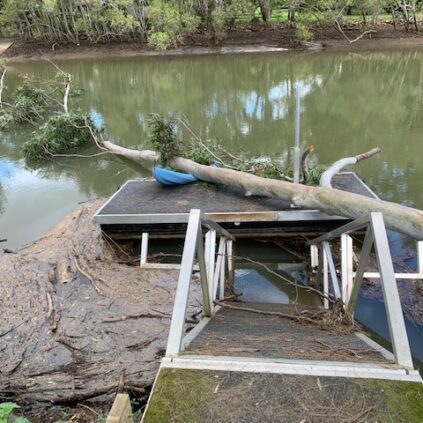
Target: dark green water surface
(351, 102)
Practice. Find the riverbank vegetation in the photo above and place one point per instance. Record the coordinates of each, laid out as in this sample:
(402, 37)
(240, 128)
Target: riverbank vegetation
(165, 23)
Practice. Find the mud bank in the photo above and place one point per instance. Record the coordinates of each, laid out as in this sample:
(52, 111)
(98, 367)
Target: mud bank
(240, 39)
(79, 318)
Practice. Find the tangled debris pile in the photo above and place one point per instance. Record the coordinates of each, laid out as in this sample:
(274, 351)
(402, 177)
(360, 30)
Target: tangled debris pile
(76, 321)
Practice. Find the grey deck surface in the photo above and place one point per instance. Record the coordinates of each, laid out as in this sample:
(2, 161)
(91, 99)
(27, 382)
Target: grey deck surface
(247, 334)
(203, 396)
(149, 197)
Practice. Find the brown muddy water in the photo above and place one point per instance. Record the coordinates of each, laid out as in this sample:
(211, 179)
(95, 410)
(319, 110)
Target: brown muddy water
(351, 102)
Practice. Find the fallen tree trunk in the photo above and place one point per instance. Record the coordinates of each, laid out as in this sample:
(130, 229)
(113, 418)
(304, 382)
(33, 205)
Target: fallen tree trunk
(331, 201)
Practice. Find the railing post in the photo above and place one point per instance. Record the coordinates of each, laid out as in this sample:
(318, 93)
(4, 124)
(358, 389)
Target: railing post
(144, 248)
(182, 291)
(207, 250)
(331, 264)
(325, 277)
(419, 248)
(211, 260)
(231, 267)
(391, 297)
(222, 272)
(314, 256)
(346, 266)
(217, 272)
(364, 258)
(203, 273)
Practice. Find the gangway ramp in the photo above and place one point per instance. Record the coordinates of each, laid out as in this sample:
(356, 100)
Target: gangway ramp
(259, 362)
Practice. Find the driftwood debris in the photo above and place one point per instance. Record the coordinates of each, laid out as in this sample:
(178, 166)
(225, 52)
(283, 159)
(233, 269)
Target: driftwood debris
(62, 271)
(63, 343)
(331, 201)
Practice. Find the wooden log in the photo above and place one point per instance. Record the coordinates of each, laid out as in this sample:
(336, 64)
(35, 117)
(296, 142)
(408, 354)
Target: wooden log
(331, 201)
(121, 411)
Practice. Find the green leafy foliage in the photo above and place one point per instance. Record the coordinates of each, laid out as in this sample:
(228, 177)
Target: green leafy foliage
(303, 27)
(314, 174)
(165, 23)
(6, 410)
(164, 140)
(199, 154)
(61, 133)
(28, 104)
(163, 137)
(169, 23)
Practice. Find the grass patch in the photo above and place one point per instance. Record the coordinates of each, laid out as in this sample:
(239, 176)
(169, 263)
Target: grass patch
(396, 401)
(178, 395)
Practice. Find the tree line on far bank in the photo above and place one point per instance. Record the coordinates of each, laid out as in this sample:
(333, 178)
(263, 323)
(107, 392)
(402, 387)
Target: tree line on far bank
(165, 23)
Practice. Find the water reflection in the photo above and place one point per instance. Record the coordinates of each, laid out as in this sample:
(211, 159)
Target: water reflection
(351, 102)
(273, 282)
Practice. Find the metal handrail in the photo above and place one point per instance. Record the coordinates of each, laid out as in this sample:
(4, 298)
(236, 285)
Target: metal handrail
(355, 225)
(376, 237)
(212, 278)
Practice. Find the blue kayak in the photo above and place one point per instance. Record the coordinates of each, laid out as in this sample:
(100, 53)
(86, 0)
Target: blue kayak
(169, 177)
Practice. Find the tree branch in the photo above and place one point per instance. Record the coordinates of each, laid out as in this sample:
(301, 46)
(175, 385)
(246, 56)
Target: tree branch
(2, 86)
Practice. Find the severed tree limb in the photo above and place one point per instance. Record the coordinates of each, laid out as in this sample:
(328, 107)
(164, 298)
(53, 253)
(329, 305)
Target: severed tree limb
(341, 31)
(285, 279)
(68, 80)
(367, 155)
(331, 201)
(2, 86)
(326, 178)
(297, 318)
(370, 31)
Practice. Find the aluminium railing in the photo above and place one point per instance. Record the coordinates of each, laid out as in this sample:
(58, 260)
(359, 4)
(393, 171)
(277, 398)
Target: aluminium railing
(322, 258)
(212, 273)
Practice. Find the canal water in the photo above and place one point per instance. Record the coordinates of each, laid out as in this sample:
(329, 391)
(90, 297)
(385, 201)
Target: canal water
(351, 102)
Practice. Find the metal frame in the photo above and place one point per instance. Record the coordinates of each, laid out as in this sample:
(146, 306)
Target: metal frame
(292, 367)
(144, 264)
(269, 216)
(351, 282)
(194, 247)
(347, 264)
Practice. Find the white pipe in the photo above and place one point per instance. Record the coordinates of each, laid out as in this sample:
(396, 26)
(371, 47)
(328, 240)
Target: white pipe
(326, 178)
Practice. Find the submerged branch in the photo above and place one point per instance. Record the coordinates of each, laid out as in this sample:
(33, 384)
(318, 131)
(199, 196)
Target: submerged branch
(285, 279)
